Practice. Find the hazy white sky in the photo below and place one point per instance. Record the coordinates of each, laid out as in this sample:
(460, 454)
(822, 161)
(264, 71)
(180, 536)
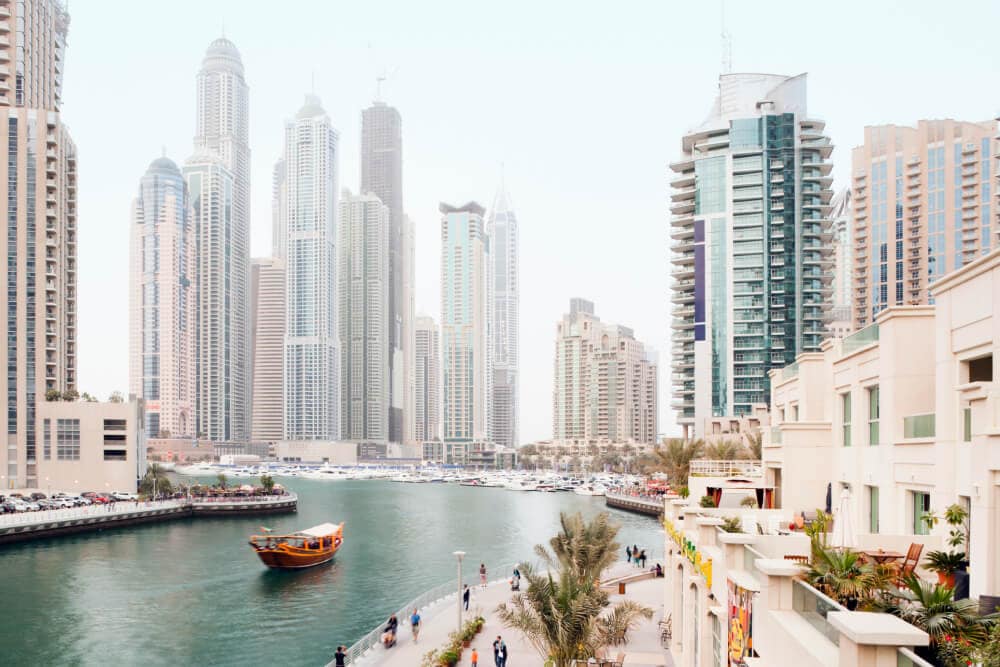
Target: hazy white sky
(583, 102)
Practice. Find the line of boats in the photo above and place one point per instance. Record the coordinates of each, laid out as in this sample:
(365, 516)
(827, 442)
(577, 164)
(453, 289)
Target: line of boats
(550, 482)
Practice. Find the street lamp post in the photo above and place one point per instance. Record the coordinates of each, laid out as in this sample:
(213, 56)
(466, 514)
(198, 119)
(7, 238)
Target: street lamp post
(459, 555)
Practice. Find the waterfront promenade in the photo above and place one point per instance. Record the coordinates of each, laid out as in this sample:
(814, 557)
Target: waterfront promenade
(440, 619)
(49, 523)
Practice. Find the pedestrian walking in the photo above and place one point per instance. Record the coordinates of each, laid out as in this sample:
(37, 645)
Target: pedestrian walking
(340, 657)
(415, 625)
(642, 559)
(482, 575)
(475, 658)
(635, 553)
(628, 553)
(499, 652)
(465, 597)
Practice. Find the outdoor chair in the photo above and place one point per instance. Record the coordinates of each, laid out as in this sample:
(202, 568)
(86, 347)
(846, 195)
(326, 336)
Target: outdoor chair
(909, 564)
(666, 630)
(989, 604)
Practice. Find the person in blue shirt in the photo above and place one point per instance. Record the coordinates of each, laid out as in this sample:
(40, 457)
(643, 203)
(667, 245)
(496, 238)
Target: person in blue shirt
(415, 625)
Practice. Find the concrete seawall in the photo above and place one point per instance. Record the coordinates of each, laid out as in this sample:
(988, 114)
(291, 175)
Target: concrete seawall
(54, 523)
(634, 504)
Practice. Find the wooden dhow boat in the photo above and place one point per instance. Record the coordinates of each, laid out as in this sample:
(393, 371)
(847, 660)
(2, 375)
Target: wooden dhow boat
(306, 548)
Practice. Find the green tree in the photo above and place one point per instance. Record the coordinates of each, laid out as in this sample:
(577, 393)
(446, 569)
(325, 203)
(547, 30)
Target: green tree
(674, 458)
(267, 482)
(70, 395)
(527, 450)
(221, 480)
(755, 442)
(725, 450)
(53, 395)
(842, 575)
(155, 481)
(116, 397)
(562, 612)
(88, 397)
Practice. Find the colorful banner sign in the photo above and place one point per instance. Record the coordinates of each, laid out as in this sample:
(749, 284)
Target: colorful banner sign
(740, 624)
(702, 565)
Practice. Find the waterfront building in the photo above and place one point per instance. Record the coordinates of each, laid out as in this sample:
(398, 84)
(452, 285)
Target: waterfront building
(39, 245)
(363, 265)
(409, 335)
(501, 229)
(751, 267)
(311, 348)
(382, 175)
(922, 207)
(279, 223)
(840, 322)
(466, 302)
(91, 446)
(605, 387)
(267, 320)
(222, 130)
(163, 302)
(902, 415)
(427, 404)
(218, 350)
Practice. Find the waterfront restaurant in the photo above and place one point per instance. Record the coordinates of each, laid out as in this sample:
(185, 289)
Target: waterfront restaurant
(903, 416)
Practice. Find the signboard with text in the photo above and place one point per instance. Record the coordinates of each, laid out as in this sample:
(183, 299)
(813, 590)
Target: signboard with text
(740, 624)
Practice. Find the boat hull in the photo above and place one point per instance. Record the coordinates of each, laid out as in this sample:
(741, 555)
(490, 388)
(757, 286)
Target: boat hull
(280, 560)
(300, 550)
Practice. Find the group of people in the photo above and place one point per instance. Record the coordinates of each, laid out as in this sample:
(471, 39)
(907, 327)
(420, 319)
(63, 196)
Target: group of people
(635, 555)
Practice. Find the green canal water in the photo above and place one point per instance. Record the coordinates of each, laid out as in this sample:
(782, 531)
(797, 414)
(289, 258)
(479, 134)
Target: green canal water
(191, 592)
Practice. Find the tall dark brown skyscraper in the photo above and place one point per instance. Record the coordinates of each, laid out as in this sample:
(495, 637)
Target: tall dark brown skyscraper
(382, 175)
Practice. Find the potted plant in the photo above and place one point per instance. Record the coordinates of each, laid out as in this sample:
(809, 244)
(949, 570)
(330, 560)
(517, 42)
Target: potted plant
(732, 524)
(448, 657)
(749, 502)
(945, 563)
(958, 536)
(707, 501)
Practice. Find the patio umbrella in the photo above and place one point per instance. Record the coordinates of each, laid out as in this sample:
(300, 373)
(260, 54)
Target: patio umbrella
(829, 498)
(843, 531)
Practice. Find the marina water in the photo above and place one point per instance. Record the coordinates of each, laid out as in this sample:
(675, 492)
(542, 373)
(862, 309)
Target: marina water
(191, 592)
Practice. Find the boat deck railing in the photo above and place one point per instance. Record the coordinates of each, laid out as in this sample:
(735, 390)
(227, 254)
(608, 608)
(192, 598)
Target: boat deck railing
(421, 602)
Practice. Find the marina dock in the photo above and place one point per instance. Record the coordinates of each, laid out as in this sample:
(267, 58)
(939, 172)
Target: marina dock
(634, 504)
(51, 523)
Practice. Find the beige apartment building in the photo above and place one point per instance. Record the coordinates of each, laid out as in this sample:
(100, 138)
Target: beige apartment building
(267, 322)
(605, 382)
(923, 205)
(86, 446)
(904, 415)
(38, 165)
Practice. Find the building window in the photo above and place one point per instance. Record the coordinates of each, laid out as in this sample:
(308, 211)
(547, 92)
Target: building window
(981, 370)
(845, 408)
(47, 439)
(115, 455)
(68, 439)
(873, 509)
(921, 508)
(795, 413)
(967, 425)
(115, 424)
(873, 411)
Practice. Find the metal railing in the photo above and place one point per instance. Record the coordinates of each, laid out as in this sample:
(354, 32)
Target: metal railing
(813, 606)
(708, 468)
(907, 658)
(437, 594)
(86, 512)
(750, 556)
(859, 339)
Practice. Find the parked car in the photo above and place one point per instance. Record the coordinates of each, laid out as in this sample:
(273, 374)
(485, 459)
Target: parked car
(38, 496)
(73, 499)
(122, 495)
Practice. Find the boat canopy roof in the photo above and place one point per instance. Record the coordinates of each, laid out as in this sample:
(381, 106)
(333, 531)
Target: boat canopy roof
(322, 530)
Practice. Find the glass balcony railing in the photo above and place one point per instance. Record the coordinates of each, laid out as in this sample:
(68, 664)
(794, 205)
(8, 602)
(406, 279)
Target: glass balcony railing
(861, 338)
(813, 606)
(919, 426)
(907, 658)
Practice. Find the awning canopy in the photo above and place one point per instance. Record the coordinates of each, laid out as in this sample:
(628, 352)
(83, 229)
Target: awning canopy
(322, 530)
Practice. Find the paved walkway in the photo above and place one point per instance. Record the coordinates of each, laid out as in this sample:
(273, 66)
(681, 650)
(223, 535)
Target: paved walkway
(441, 619)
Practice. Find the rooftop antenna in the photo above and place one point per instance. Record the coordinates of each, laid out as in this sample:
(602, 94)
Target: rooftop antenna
(727, 44)
(384, 76)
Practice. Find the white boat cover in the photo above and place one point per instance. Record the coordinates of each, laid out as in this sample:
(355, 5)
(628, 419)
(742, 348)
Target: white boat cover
(322, 530)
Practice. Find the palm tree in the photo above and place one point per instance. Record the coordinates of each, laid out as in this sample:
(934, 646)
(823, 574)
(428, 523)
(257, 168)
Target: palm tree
(934, 609)
(674, 458)
(725, 450)
(560, 613)
(755, 441)
(842, 575)
(155, 481)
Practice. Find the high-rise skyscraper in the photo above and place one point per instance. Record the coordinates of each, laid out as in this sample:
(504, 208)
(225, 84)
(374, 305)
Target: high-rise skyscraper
(382, 175)
(163, 302)
(217, 353)
(39, 246)
(279, 225)
(937, 177)
(267, 321)
(502, 232)
(427, 371)
(222, 130)
(466, 301)
(408, 331)
(605, 387)
(839, 320)
(363, 285)
(312, 357)
(751, 265)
